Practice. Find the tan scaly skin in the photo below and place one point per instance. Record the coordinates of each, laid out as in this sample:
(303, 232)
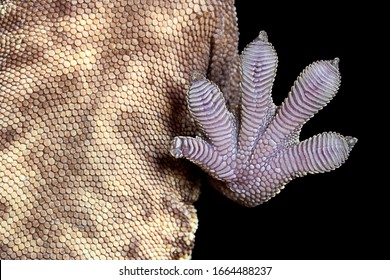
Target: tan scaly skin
(91, 95)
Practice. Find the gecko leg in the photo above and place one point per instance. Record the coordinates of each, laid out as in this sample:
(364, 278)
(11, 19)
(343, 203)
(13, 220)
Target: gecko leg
(259, 153)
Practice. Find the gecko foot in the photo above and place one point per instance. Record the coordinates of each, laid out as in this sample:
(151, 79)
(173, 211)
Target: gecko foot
(259, 153)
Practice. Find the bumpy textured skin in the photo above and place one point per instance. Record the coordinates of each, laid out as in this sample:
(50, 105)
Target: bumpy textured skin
(91, 94)
(257, 154)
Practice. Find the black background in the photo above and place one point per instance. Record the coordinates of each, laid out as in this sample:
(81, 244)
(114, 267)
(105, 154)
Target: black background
(338, 215)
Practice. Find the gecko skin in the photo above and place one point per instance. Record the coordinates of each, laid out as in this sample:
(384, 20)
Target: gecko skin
(92, 92)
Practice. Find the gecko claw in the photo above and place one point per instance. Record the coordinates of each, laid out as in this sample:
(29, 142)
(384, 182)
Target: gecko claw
(176, 149)
(262, 36)
(335, 62)
(351, 141)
